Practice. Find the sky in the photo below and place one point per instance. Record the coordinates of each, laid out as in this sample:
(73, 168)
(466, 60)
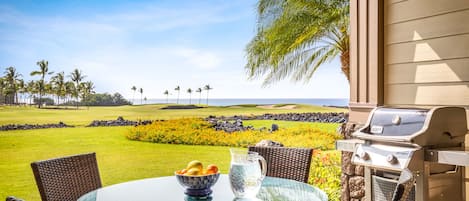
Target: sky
(153, 45)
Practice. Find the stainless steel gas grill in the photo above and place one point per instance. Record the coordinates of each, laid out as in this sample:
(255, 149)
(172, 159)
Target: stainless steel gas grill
(411, 153)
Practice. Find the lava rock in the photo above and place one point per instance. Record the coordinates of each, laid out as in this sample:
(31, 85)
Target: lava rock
(32, 126)
(274, 127)
(120, 121)
(330, 117)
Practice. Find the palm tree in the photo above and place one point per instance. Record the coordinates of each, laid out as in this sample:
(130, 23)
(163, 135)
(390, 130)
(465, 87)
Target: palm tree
(12, 78)
(177, 89)
(141, 94)
(77, 76)
(2, 89)
(166, 92)
(295, 37)
(199, 90)
(48, 90)
(43, 71)
(145, 99)
(58, 87)
(134, 88)
(32, 88)
(207, 88)
(21, 86)
(87, 88)
(69, 91)
(190, 94)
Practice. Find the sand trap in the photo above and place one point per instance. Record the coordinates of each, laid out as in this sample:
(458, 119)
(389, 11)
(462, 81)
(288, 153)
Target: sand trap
(286, 107)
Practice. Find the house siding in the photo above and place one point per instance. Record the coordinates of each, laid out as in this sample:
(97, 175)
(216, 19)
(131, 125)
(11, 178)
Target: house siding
(406, 53)
(426, 53)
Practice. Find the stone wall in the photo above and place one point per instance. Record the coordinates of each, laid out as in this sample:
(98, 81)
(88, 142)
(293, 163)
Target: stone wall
(120, 121)
(323, 117)
(32, 126)
(352, 178)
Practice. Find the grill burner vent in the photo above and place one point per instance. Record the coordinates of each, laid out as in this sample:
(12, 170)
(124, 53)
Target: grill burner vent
(383, 189)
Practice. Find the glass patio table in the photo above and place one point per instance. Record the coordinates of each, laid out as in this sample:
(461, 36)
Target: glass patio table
(168, 189)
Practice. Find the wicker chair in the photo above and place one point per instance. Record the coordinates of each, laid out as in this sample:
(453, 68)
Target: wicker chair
(288, 163)
(67, 178)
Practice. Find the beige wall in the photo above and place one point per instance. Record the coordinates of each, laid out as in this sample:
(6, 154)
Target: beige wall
(426, 54)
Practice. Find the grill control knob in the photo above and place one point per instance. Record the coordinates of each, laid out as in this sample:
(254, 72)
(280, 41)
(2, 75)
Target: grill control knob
(391, 159)
(364, 156)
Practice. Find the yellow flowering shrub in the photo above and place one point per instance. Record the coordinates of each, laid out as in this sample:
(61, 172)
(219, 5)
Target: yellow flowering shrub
(196, 131)
(325, 172)
(325, 165)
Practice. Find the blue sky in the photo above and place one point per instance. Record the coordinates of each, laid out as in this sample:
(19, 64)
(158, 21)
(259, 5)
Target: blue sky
(155, 45)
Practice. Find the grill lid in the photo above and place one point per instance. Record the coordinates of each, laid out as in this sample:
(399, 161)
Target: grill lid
(440, 126)
(397, 122)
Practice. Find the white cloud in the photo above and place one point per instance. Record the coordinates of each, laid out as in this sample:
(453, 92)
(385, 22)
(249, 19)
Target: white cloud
(199, 58)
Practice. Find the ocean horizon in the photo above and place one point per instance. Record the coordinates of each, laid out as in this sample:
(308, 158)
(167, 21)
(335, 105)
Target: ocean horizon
(342, 102)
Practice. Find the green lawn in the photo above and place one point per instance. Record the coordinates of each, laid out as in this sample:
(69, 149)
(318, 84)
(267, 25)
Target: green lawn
(119, 159)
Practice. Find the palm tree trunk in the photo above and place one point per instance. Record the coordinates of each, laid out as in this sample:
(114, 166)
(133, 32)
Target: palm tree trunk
(190, 96)
(207, 97)
(40, 98)
(345, 64)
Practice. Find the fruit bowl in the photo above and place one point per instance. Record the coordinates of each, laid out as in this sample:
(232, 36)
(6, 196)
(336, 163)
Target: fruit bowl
(197, 185)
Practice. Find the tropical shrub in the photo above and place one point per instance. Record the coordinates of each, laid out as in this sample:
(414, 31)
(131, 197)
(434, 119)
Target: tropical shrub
(196, 131)
(325, 172)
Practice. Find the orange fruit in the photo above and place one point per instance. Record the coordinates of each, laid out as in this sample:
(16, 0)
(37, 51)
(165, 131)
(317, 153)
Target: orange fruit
(212, 169)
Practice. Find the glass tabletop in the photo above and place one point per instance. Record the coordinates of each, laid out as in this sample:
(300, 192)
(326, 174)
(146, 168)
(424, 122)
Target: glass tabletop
(168, 189)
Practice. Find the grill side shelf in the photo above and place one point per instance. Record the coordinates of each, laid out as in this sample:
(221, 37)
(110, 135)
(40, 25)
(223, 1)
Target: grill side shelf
(450, 157)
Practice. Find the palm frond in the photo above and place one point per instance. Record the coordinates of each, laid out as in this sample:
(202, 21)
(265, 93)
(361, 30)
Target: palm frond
(301, 36)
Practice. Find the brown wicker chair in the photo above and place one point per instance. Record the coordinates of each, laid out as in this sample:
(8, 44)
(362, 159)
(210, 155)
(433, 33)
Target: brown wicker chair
(288, 163)
(67, 178)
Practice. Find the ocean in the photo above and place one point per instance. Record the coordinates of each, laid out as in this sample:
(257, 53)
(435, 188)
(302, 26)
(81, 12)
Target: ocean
(231, 101)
